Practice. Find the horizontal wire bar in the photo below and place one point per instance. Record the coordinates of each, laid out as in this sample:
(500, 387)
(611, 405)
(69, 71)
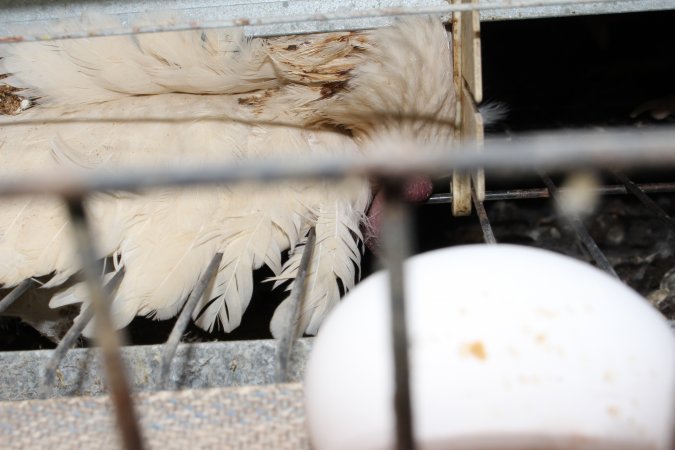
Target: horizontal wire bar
(546, 151)
(534, 193)
(252, 22)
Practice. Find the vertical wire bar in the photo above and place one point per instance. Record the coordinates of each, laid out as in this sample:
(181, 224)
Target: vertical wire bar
(396, 235)
(61, 350)
(107, 336)
(286, 341)
(643, 197)
(71, 336)
(581, 231)
(169, 350)
(16, 293)
(649, 203)
(488, 235)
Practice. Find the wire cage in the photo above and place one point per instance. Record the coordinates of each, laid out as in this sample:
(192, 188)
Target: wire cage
(47, 385)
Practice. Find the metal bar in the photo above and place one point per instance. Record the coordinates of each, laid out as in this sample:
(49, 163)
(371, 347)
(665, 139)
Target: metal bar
(184, 318)
(488, 235)
(13, 121)
(71, 337)
(16, 293)
(643, 197)
(276, 18)
(534, 193)
(396, 235)
(581, 231)
(557, 151)
(107, 336)
(297, 296)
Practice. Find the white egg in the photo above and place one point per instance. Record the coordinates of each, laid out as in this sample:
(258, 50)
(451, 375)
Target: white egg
(510, 348)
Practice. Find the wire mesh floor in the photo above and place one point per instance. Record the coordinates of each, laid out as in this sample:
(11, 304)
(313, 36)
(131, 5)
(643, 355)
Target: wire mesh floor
(248, 418)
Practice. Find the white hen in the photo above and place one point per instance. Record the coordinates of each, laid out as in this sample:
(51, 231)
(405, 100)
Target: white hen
(338, 93)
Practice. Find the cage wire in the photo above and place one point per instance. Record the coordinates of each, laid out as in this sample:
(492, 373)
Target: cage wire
(537, 153)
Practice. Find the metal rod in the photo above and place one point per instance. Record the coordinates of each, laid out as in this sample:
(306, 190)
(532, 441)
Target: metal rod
(71, 337)
(296, 299)
(14, 121)
(16, 293)
(488, 235)
(581, 231)
(643, 197)
(181, 324)
(189, 23)
(396, 238)
(107, 336)
(534, 193)
(555, 151)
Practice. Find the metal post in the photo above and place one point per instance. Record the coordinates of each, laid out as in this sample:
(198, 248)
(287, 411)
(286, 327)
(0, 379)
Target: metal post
(106, 334)
(396, 235)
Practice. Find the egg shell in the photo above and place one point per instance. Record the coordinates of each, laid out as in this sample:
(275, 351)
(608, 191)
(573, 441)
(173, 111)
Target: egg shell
(510, 348)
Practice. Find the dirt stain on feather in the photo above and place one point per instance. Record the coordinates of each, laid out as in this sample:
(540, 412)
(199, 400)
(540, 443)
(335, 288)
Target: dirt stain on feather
(257, 101)
(10, 103)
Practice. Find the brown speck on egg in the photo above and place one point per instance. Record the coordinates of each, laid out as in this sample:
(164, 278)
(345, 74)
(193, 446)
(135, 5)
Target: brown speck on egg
(476, 350)
(613, 411)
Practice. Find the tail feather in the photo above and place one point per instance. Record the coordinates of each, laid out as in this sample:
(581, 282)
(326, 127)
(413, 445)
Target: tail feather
(248, 246)
(249, 241)
(89, 71)
(335, 257)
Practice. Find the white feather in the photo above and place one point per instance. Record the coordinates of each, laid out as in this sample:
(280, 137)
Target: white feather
(381, 84)
(403, 85)
(86, 71)
(335, 257)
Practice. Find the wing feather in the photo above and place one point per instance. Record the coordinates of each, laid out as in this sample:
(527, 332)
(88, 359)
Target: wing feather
(336, 256)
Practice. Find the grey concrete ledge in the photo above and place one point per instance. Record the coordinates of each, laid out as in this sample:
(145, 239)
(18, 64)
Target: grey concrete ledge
(196, 366)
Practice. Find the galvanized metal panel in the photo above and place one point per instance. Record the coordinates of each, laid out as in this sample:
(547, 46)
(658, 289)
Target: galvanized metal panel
(34, 17)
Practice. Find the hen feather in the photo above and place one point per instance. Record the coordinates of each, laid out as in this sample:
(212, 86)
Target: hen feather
(232, 99)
